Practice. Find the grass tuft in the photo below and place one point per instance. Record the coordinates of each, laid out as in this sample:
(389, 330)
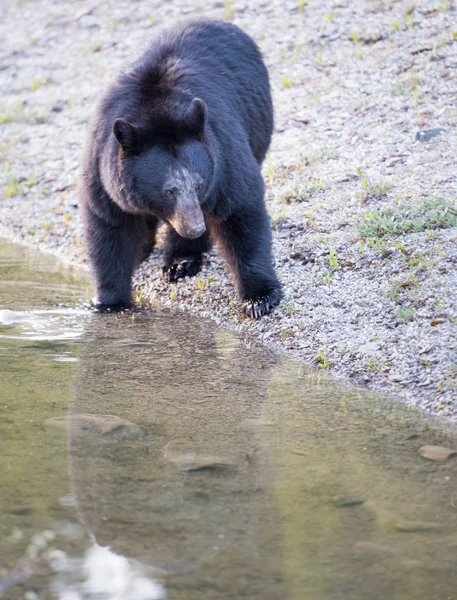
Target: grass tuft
(321, 358)
(12, 187)
(407, 217)
(287, 81)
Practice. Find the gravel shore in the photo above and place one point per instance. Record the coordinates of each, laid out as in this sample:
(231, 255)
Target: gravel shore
(361, 177)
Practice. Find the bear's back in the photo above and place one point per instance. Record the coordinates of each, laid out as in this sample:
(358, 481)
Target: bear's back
(217, 62)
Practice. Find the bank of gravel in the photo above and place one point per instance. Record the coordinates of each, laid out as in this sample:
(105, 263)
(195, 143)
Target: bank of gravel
(355, 82)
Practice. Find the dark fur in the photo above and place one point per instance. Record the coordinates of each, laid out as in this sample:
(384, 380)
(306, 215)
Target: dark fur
(130, 167)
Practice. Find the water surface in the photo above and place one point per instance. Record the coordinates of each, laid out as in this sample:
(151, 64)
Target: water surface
(152, 455)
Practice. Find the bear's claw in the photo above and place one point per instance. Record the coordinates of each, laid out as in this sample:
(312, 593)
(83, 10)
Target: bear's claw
(254, 309)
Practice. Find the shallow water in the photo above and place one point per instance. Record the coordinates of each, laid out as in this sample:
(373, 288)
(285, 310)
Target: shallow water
(152, 455)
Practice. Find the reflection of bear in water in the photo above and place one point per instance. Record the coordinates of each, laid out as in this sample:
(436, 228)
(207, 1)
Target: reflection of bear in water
(170, 478)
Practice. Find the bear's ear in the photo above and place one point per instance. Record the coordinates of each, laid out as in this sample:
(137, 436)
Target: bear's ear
(196, 116)
(125, 134)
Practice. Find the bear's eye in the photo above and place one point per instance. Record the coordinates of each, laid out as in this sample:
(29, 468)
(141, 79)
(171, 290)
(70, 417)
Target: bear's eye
(170, 192)
(199, 187)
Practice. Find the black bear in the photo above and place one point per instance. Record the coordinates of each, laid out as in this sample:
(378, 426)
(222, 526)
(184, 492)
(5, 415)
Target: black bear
(180, 138)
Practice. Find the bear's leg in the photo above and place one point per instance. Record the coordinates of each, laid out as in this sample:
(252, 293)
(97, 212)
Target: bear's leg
(183, 257)
(244, 240)
(114, 252)
(150, 238)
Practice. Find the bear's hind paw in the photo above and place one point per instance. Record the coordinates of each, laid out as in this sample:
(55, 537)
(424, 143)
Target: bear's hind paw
(175, 271)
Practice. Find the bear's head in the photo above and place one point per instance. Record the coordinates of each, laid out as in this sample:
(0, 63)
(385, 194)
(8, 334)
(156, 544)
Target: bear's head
(166, 167)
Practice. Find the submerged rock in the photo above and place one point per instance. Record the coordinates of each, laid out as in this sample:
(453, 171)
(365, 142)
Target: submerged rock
(437, 453)
(417, 526)
(188, 460)
(106, 426)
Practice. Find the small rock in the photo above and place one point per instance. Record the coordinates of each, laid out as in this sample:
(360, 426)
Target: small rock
(395, 378)
(417, 526)
(424, 47)
(423, 117)
(105, 426)
(437, 453)
(83, 12)
(256, 423)
(304, 120)
(395, 160)
(347, 502)
(434, 322)
(304, 256)
(426, 349)
(211, 463)
(369, 348)
(184, 459)
(429, 157)
(425, 135)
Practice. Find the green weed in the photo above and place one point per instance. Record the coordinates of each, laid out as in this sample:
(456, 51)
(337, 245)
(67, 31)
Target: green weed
(406, 217)
(12, 187)
(286, 333)
(405, 315)
(202, 284)
(37, 83)
(371, 190)
(321, 357)
(333, 260)
(287, 81)
(299, 193)
(229, 10)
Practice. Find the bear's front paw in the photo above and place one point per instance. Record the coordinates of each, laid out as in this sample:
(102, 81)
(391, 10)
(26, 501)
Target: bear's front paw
(258, 307)
(107, 303)
(111, 308)
(175, 271)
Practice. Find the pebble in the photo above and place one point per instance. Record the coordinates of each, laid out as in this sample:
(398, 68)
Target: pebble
(369, 348)
(425, 135)
(395, 160)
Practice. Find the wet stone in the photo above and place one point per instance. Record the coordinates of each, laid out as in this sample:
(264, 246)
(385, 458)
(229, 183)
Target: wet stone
(347, 502)
(185, 459)
(85, 425)
(437, 453)
(417, 526)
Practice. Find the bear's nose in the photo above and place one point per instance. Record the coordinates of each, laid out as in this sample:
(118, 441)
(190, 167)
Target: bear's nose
(197, 231)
